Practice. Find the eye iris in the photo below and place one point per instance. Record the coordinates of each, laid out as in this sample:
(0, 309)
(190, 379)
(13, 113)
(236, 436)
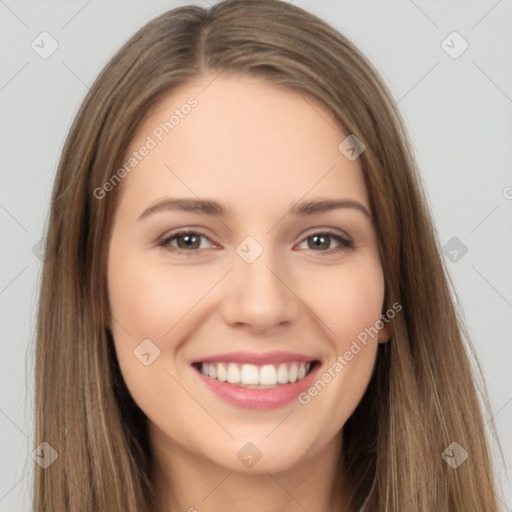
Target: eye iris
(324, 241)
(189, 238)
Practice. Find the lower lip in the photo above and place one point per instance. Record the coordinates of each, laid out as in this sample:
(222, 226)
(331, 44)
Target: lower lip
(259, 398)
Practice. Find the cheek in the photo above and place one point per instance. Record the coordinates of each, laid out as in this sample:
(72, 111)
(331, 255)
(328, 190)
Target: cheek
(349, 311)
(154, 302)
(148, 301)
(348, 299)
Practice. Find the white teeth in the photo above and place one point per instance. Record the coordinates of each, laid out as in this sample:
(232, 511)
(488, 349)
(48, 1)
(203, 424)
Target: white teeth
(268, 375)
(233, 373)
(292, 372)
(282, 374)
(222, 373)
(251, 375)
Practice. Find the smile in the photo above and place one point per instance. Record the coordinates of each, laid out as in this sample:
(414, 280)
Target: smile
(256, 381)
(256, 377)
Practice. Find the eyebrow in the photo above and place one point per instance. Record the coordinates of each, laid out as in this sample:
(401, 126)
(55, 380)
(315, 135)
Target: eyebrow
(210, 207)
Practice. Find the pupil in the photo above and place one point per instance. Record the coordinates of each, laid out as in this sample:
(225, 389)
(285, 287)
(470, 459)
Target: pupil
(188, 239)
(324, 245)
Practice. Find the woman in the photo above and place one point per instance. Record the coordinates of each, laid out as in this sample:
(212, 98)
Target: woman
(254, 370)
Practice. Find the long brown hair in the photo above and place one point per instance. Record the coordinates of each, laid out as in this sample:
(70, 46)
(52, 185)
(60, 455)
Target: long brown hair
(422, 395)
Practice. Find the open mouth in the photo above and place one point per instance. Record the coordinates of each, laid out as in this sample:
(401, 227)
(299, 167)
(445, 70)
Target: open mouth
(252, 376)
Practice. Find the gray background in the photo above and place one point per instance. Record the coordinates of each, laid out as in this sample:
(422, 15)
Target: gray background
(458, 111)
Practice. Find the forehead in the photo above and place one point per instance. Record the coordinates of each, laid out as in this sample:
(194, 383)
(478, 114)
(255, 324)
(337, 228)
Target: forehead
(244, 142)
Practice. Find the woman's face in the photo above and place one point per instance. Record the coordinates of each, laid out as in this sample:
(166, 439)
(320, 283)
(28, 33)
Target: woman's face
(219, 308)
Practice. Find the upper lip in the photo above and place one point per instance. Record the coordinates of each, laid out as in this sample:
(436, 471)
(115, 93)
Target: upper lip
(255, 358)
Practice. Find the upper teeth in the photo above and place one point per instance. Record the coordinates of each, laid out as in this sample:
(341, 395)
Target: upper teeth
(250, 374)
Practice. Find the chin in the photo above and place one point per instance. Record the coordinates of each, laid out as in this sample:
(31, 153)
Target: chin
(260, 455)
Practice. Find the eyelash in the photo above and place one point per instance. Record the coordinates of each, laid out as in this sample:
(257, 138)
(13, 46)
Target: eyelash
(166, 242)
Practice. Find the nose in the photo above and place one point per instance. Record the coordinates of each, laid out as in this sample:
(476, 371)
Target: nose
(260, 295)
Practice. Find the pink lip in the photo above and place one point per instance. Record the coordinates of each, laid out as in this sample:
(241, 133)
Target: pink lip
(259, 398)
(255, 358)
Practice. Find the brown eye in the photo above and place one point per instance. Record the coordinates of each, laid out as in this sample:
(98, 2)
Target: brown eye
(186, 241)
(190, 241)
(321, 242)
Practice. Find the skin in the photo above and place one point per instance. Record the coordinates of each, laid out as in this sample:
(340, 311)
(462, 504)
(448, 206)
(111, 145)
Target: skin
(258, 151)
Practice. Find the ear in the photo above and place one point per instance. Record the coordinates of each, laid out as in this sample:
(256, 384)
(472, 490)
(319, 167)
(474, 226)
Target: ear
(384, 334)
